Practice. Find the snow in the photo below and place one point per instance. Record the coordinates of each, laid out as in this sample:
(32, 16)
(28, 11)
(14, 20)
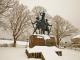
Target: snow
(77, 36)
(18, 43)
(5, 41)
(10, 53)
(21, 43)
(42, 36)
(49, 53)
(13, 54)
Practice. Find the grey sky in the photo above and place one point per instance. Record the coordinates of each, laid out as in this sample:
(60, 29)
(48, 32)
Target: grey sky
(68, 9)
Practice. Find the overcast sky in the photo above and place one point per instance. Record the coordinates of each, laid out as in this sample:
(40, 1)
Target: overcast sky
(68, 9)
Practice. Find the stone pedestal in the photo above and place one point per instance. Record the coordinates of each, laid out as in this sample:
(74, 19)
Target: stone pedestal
(41, 40)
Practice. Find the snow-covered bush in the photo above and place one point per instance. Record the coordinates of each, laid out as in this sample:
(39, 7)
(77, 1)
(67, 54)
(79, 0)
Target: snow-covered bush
(4, 45)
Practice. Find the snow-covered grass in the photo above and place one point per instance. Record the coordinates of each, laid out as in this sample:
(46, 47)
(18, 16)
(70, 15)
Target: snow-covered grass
(18, 43)
(49, 53)
(10, 53)
(73, 48)
(17, 53)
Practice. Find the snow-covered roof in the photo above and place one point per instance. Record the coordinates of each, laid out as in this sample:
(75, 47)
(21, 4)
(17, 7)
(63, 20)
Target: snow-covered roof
(77, 36)
(42, 36)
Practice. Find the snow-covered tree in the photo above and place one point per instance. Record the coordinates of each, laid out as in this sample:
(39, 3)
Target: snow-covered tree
(38, 9)
(5, 5)
(19, 19)
(62, 28)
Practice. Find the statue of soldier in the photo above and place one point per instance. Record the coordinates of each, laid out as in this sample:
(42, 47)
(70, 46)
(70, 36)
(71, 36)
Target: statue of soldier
(43, 26)
(42, 15)
(37, 22)
(40, 24)
(47, 26)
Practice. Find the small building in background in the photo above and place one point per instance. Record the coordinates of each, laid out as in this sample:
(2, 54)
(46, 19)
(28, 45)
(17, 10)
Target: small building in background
(76, 41)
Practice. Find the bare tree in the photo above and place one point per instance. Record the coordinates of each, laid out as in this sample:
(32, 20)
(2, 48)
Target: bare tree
(5, 5)
(38, 9)
(19, 19)
(62, 28)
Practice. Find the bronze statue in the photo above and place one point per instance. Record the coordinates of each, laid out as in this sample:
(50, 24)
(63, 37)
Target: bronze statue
(47, 26)
(42, 24)
(37, 24)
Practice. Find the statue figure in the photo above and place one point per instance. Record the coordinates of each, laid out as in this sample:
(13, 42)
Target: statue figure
(43, 15)
(37, 22)
(42, 24)
(47, 26)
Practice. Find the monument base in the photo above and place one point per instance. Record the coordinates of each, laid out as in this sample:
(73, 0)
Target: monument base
(41, 40)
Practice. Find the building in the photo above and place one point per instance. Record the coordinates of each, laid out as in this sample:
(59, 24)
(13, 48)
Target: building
(76, 41)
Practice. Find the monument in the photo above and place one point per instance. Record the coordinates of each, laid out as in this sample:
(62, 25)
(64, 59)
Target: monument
(41, 38)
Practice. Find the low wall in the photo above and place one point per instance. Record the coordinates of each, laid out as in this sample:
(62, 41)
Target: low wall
(38, 55)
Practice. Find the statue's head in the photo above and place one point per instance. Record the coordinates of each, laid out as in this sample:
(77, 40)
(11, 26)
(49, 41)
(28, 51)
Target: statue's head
(41, 13)
(46, 19)
(37, 18)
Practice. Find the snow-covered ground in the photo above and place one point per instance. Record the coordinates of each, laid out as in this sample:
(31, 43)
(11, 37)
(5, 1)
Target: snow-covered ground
(18, 53)
(18, 43)
(10, 53)
(49, 53)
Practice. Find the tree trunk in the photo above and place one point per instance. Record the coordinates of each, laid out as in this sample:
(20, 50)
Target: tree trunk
(58, 42)
(14, 44)
(57, 36)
